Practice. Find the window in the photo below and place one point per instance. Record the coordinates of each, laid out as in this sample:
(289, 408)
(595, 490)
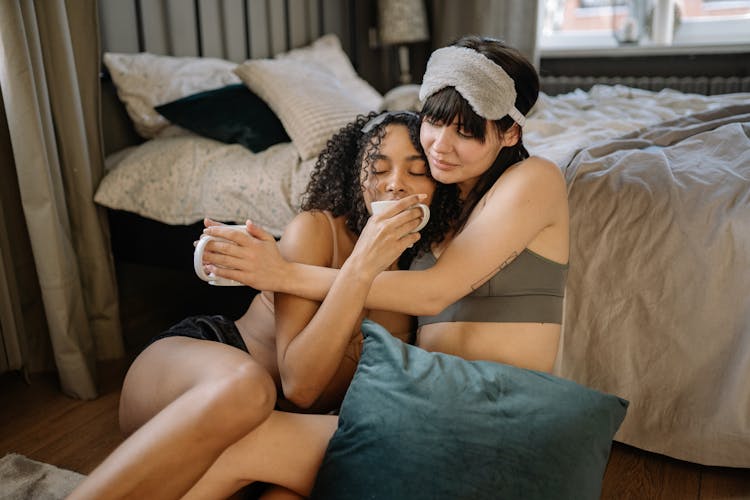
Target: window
(643, 23)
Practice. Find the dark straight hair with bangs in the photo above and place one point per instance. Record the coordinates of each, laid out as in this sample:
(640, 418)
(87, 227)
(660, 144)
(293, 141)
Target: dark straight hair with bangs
(448, 104)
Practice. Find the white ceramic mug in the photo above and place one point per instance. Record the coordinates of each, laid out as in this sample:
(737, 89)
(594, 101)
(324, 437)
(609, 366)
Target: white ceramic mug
(198, 259)
(383, 205)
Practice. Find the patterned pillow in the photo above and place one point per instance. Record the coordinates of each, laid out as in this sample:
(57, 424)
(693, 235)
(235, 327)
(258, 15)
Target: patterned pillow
(422, 425)
(180, 180)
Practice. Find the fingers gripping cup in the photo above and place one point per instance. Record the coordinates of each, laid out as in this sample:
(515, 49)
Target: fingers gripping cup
(383, 205)
(198, 260)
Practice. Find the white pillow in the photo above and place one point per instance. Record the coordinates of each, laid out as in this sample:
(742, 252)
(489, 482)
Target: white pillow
(327, 52)
(145, 80)
(311, 102)
(180, 180)
(402, 98)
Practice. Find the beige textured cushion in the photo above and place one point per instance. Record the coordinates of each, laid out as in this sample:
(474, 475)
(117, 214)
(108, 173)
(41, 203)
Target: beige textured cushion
(313, 90)
(326, 51)
(310, 102)
(145, 80)
(402, 98)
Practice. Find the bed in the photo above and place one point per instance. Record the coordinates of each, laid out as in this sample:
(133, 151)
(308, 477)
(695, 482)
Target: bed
(657, 306)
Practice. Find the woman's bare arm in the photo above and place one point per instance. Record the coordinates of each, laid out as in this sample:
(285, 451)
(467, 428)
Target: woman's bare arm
(312, 337)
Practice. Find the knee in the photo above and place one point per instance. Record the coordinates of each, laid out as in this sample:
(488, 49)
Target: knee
(133, 410)
(254, 388)
(241, 398)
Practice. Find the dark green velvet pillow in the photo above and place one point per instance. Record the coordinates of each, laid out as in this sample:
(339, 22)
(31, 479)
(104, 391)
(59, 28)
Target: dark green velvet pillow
(420, 425)
(231, 114)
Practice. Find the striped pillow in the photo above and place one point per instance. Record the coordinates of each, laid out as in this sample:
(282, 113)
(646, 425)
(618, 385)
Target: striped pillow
(311, 101)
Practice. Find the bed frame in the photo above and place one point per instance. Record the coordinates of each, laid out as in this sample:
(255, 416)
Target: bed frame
(228, 29)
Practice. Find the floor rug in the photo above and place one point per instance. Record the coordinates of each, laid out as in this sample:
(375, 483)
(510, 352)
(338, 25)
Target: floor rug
(22, 478)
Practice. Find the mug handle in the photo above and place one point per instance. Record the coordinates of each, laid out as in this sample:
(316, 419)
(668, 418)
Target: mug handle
(425, 217)
(198, 258)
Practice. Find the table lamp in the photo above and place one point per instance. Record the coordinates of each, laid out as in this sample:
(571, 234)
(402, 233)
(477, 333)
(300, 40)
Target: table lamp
(401, 22)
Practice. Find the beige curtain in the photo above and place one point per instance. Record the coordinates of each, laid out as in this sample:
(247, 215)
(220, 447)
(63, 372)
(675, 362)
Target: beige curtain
(514, 21)
(49, 66)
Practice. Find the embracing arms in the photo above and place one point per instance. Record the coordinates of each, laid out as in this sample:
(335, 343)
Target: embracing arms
(527, 204)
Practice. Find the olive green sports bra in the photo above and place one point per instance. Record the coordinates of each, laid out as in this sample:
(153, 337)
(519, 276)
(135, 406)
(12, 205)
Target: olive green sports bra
(528, 290)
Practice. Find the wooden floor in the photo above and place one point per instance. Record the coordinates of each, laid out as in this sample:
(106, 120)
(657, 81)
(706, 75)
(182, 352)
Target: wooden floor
(38, 421)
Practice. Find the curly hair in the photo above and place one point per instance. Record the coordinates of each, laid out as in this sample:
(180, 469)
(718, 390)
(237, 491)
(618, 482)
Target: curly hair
(336, 182)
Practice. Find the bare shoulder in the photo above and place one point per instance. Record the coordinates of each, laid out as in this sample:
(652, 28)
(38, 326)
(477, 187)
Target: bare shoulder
(536, 169)
(308, 239)
(533, 189)
(534, 177)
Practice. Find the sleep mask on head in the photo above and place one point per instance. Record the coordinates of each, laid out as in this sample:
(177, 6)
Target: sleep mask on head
(485, 85)
(378, 119)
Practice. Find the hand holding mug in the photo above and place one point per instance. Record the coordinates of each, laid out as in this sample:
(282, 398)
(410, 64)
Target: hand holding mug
(200, 248)
(389, 232)
(379, 207)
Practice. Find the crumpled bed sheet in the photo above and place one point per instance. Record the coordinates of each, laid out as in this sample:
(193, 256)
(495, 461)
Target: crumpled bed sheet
(657, 306)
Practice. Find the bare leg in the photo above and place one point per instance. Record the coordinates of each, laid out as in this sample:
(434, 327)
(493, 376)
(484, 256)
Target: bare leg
(203, 396)
(287, 450)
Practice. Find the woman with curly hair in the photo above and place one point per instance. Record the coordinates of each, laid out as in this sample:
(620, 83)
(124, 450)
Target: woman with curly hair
(208, 381)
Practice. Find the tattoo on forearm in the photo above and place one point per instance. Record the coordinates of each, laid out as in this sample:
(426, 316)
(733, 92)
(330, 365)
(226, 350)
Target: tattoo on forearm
(495, 271)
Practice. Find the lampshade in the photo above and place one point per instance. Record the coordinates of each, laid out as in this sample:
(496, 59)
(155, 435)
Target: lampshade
(402, 21)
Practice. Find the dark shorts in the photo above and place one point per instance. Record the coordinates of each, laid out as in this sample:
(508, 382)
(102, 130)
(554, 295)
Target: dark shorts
(214, 328)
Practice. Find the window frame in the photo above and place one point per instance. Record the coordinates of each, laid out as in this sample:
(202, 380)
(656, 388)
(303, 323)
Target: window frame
(730, 34)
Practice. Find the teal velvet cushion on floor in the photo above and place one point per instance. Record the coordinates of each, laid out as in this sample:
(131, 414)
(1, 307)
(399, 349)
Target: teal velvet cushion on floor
(231, 114)
(420, 425)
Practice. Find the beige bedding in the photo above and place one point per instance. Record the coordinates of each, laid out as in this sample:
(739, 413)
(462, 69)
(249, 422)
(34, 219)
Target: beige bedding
(658, 297)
